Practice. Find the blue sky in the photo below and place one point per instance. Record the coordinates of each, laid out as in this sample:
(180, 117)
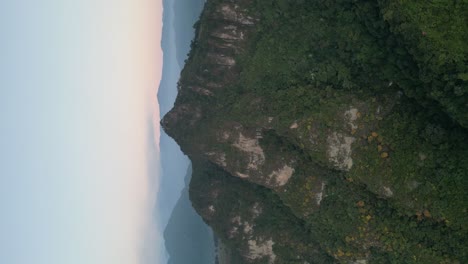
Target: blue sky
(77, 79)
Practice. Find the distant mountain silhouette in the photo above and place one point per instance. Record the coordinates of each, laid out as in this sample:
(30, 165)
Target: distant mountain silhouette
(186, 13)
(178, 20)
(174, 162)
(188, 239)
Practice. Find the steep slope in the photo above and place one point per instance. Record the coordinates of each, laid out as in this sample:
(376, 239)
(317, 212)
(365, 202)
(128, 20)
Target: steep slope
(310, 137)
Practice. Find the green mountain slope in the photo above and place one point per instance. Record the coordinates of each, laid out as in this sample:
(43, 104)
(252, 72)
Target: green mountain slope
(329, 131)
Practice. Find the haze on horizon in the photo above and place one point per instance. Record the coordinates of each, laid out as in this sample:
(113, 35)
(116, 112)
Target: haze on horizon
(187, 239)
(79, 146)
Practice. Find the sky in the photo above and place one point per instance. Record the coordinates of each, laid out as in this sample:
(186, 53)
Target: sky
(79, 130)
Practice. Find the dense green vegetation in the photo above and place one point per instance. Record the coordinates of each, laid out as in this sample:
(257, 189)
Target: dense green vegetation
(418, 46)
(404, 66)
(234, 197)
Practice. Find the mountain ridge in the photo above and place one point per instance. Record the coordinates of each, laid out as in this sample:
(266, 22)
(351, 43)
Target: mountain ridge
(310, 141)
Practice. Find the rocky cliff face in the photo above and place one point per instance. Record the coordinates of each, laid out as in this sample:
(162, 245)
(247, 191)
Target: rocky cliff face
(279, 184)
(225, 31)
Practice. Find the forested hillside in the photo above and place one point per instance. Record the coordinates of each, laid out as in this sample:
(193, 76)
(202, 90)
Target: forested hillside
(329, 131)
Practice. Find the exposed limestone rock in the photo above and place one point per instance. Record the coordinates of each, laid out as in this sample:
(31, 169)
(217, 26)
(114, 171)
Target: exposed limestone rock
(233, 232)
(260, 249)
(226, 135)
(221, 59)
(218, 158)
(248, 228)
(231, 12)
(242, 175)
(387, 192)
(360, 261)
(294, 125)
(319, 195)
(351, 116)
(236, 220)
(211, 209)
(256, 210)
(226, 44)
(213, 85)
(339, 151)
(236, 223)
(282, 176)
(221, 159)
(253, 149)
(228, 32)
(201, 90)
